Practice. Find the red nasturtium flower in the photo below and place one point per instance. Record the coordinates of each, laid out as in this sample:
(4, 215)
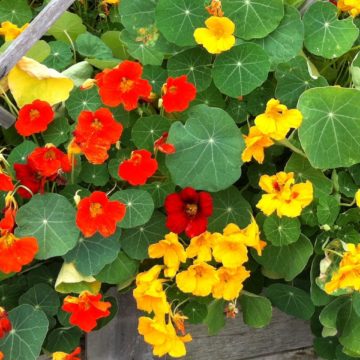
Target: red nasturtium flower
(5, 324)
(1, 355)
(49, 161)
(138, 168)
(34, 118)
(98, 213)
(188, 211)
(177, 94)
(7, 223)
(123, 85)
(86, 309)
(6, 183)
(162, 145)
(28, 178)
(94, 134)
(59, 355)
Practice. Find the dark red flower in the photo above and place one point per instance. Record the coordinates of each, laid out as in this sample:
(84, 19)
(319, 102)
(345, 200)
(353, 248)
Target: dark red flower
(178, 93)
(5, 324)
(162, 145)
(49, 161)
(98, 213)
(28, 178)
(6, 183)
(188, 211)
(123, 85)
(34, 118)
(138, 168)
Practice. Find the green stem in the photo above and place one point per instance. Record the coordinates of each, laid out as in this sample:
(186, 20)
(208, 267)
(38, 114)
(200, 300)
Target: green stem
(286, 143)
(72, 44)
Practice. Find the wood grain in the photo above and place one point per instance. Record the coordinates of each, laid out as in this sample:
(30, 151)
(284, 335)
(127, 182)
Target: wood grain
(6, 119)
(120, 341)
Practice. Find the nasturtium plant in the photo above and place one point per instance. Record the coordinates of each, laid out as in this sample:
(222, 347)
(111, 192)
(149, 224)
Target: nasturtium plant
(201, 154)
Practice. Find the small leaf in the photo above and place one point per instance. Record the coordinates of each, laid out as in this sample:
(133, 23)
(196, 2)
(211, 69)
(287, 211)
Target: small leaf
(97, 175)
(63, 339)
(215, 319)
(16, 11)
(60, 56)
(57, 133)
(282, 231)
(195, 312)
(328, 210)
(89, 45)
(256, 310)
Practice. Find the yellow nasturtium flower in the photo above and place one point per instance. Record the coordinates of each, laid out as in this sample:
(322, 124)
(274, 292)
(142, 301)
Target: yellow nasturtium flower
(256, 142)
(111, 2)
(217, 36)
(29, 80)
(357, 198)
(348, 274)
(10, 31)
(149, 293)
(200, 246)
(198, 279)
(162, 336)
(230, 283)
(171, 250)
(283, 195)
(350, 6)
(277, 120)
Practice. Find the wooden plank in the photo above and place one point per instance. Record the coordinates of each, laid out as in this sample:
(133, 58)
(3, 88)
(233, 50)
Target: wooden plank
(303, 354)
(6, 119)
(119, 340)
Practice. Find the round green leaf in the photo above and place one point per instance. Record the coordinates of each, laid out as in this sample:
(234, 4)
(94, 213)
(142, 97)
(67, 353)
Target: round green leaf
(195, 63)
(63, 339)
(237, 109)
(254, 18)
(148, 129)
(256, 101)
(80, 100)
(89, 45)
(159, 191)
(135, 242)
(281, 231)
(29, 328)
(195, 312)
(39, 51)
(229, 207)
(291, 300)
(121, 271)
(210, 97)
(327, 210)
(330, 132)
(60, 56)
(256, 310)
(16, 11)
(97, 175)
(329, 313)
(348, 325)
(91, 254)
(156, 75)
(293, 78)
(325, 34)
(178, 19)
(208, 150)
(286, 41)
(11, 290)
(20, 153)
(286, 261)
(58, 132)
(240, 70)
(42, 297)
(112, 40)
(50, 218)
(139, 207)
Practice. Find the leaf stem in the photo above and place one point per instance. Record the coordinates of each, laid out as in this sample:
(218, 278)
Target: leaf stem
(286, 143)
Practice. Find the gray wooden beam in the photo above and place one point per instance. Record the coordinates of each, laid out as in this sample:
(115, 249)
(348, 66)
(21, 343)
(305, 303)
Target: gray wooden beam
(23, 43)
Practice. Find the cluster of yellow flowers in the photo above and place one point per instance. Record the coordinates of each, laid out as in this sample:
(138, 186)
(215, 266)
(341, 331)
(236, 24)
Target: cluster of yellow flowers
(218, 36)
(274, 124)
(348, 274)
(202, 277)
(350, 6)
(10, 31)
(283, 195)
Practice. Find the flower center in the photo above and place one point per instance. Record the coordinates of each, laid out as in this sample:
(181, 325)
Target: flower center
(276, 186)
(50, 155)
(126, 85)
(8, 239)
(34, 114)
(96, 124)
(172, 89)
(191, 209)
(294, 195)
(218, 31)
(136, 159)
(96, 209)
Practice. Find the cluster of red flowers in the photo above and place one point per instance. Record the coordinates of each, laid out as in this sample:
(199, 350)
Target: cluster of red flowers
(94, 134)
(44, 164)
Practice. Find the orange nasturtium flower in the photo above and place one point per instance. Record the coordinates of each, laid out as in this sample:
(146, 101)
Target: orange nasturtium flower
(149, 293)
(277, 120)
(230, 282)
(198, 279)
(123, 85)
(86, 309)
(256, 142)
(94, 134)
(34, 118)
(217, 36)
(351, 6)
(10, 31)
(215, 8)
(172, 251)
(283, 195)
(59, 355)
(138, 168)
(97, 213)
(348, 274)
(162, 336)
(1, 355)
(6, 183)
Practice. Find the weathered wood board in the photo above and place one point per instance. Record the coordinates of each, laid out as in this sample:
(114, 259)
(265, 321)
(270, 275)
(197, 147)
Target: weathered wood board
(120, 341)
